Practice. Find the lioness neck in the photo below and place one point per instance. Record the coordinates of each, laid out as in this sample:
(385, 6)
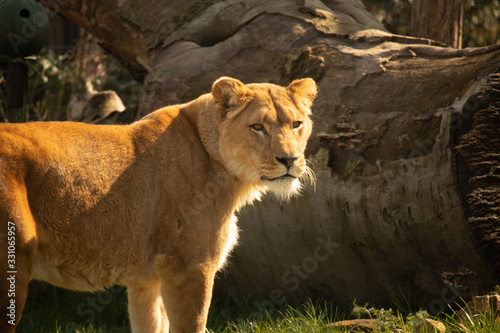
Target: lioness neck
(203, 115)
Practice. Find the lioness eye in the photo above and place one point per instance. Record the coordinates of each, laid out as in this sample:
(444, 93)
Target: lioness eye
(297, 124)
(257, 127)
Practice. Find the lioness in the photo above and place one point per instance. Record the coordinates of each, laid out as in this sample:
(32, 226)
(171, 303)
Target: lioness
(149, 205)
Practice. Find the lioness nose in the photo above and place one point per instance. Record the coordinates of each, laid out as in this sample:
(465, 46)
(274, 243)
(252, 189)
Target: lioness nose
(286, 161)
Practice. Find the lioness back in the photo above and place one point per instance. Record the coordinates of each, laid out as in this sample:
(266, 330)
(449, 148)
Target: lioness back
(148, 205)
(87, 186)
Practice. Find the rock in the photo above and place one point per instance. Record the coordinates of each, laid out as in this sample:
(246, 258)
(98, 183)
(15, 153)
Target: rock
(92, 106)
(359, 325)
(430, 326)
(356, 325)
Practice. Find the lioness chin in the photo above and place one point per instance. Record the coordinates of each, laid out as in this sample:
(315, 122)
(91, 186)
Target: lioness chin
(149, 205)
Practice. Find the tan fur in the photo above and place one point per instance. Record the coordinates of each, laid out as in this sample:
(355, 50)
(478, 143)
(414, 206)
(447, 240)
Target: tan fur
(149, 205)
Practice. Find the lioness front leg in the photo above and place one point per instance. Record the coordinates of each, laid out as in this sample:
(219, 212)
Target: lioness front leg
(18, 251)
(187, 296)
(14, 283)
(145, 306)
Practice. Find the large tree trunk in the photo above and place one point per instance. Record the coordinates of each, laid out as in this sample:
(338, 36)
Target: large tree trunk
(387, 212)
(440, 20)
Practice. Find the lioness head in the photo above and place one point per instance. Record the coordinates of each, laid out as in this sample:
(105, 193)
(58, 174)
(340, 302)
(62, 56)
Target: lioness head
(264, 130)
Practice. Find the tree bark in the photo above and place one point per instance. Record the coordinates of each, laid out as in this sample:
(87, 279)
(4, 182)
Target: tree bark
(387, 212)
(440, 20)
(479, 174)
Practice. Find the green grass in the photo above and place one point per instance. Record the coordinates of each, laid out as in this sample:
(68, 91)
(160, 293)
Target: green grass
(241, 317)
(53, 310)
(482, 322)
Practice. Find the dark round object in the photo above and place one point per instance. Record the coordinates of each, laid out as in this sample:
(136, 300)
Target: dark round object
(24, 27)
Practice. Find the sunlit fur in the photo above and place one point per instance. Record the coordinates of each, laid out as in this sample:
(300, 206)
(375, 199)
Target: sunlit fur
(285, 190)
(150, 205)
(251, 154)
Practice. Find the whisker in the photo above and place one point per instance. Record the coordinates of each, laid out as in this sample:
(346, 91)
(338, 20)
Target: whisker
(309, 175)
(309, 163)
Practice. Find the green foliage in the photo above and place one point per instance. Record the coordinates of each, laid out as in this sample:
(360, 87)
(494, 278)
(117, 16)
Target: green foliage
(50, 84)
(487, 321)
(308, 317)
(53, 79)
(481, 26)
(386, 319)
(50, 81)
(389, 320)
(419, 316)
(394, 13)
(482, 23)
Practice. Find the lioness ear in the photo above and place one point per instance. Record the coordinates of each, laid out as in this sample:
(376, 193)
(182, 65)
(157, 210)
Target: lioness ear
(303, 92)
(231, 96)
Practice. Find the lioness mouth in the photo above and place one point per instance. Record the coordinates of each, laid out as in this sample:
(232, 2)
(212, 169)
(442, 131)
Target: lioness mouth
(280, 177)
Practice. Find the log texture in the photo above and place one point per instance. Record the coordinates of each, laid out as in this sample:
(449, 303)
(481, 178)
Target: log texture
(387, 215)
